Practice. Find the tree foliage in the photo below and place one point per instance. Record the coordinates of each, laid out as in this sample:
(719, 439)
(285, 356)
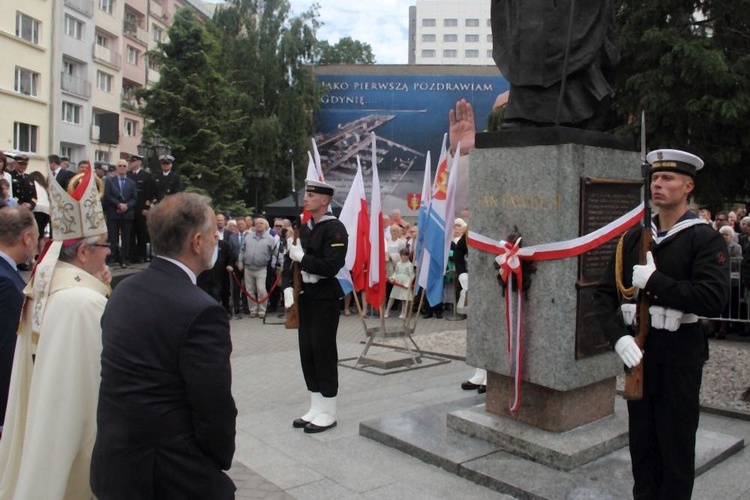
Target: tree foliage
(687, 64)
(237, 97)
(345, 51)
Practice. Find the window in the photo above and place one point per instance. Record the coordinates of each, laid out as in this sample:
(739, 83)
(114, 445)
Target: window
(24, 137)
(489, 38)
(428, 23)
(450, 23)
(27, 28)
(132, 55)
(472, 53)
(428, 38)
(131, 128)
(73, 27)
(107, 6)
(152, 64)
(471, 38)
(472, 23)
(104, 81)
(102, 41)
(489, 23)
(450, 38)
(66, 151)
(156, 33)
(101, 156)
(71, 113)
(428, 53)
(27, 82)
(489, 54)
(450, 53)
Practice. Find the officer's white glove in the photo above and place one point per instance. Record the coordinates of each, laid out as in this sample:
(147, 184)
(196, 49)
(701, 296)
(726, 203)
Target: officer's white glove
(641, 274)
(288, 297)
(463, 280)
(295, 251)
(629, 351)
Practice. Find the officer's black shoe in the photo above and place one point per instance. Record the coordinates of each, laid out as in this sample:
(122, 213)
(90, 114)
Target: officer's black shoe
(482, 389)
(427, 315)
(469, 386)
(299, 423)
(439, 315)
(314, 429)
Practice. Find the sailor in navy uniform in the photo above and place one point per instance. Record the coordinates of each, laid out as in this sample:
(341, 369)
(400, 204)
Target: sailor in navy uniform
(167, 182)
(686, 275)
(321, 253)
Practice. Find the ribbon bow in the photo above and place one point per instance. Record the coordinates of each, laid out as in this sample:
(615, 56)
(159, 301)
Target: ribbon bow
(508, 260)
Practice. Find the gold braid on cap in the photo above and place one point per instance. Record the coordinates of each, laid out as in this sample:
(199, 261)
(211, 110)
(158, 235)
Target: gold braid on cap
(625, 293)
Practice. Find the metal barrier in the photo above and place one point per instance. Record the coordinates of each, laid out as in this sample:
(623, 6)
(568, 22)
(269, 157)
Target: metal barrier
(738, 308)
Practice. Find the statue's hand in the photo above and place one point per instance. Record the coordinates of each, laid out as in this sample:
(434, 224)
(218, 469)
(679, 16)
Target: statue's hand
(462, 127)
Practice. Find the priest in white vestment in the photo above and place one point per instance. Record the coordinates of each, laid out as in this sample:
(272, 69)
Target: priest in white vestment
(50, 425)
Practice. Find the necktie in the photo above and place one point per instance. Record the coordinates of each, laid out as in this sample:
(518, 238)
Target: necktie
(122, 185)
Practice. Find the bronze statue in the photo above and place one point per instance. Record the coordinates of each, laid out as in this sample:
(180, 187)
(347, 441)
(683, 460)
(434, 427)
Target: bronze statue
(558, 56)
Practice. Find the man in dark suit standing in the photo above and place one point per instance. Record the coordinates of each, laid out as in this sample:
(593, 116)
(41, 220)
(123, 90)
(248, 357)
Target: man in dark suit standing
(235, 243)
(167, 182)
(119, 206)
(61, 175)
(166, 416)
(143, 197)
(18, 239)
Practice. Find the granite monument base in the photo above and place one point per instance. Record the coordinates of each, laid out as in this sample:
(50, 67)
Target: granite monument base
(548, 409)
(559, 450)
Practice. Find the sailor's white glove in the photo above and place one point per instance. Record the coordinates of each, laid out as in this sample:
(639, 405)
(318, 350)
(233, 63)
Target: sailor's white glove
(295, 251)
(641, 274)
(288, 297)
(629, 351)
(463, 280)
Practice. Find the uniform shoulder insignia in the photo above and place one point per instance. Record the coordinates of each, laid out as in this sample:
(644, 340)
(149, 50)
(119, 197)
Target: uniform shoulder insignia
(337, 245)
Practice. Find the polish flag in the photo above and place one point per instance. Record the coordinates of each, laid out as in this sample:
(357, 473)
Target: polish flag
(375, 292)
(355, 219)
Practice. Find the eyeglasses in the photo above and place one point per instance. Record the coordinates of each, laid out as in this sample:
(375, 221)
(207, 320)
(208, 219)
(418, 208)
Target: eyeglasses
(279, 225)
(101, 245)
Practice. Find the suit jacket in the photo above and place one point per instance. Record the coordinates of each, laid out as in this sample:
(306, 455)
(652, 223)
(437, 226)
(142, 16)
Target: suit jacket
(63, 177)
(11, 300)
(234, 246)
(212, 280)
(23, 188)
(166, 416)
(144, 189)
(113, 197)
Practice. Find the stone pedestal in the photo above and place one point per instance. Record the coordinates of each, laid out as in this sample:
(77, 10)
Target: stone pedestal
(535, 188)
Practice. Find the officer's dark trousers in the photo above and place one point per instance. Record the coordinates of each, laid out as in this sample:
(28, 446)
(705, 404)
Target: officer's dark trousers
(662, 432)
(318, 323)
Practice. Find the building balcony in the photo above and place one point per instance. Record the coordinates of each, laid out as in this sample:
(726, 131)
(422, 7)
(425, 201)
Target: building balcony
(76, 86)
(153, 76)
(85, 7)
(135, 32)
(95, 133)
(107, 56)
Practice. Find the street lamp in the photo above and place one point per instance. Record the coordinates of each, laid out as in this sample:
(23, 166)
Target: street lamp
(153, 149)
(257, 174)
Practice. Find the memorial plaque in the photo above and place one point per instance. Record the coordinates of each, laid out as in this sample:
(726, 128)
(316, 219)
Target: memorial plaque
(602, 201)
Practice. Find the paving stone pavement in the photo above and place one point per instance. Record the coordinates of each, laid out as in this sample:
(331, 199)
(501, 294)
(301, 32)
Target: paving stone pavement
(273, 460)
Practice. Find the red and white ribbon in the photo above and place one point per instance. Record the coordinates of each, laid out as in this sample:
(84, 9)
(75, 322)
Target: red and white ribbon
(509, 259)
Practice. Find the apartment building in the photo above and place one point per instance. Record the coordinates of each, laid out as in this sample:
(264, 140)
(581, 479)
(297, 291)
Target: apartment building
(450, 32)
(26, 34)
(72, 70)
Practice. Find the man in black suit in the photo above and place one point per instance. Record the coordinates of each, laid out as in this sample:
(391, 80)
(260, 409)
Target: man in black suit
(61, 175)
(119, 207)
(166, 416)
(143, 197)
(235, 243)
(167, 182)
(18, 239)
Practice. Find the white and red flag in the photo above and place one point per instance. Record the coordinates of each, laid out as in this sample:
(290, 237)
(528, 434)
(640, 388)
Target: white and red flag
(375, 292)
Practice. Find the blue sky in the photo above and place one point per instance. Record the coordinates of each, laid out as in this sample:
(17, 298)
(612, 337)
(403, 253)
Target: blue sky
(384, 24)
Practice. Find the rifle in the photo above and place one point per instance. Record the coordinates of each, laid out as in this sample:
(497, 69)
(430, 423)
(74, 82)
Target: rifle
(634, 376)
(292, 315)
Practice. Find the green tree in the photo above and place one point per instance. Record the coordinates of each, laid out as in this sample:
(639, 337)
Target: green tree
(345, 51)
(191, 107)
(687, 63)
(266, 56)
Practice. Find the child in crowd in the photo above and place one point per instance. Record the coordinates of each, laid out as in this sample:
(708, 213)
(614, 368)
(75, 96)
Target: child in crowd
(5, 186)
(401, 278)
